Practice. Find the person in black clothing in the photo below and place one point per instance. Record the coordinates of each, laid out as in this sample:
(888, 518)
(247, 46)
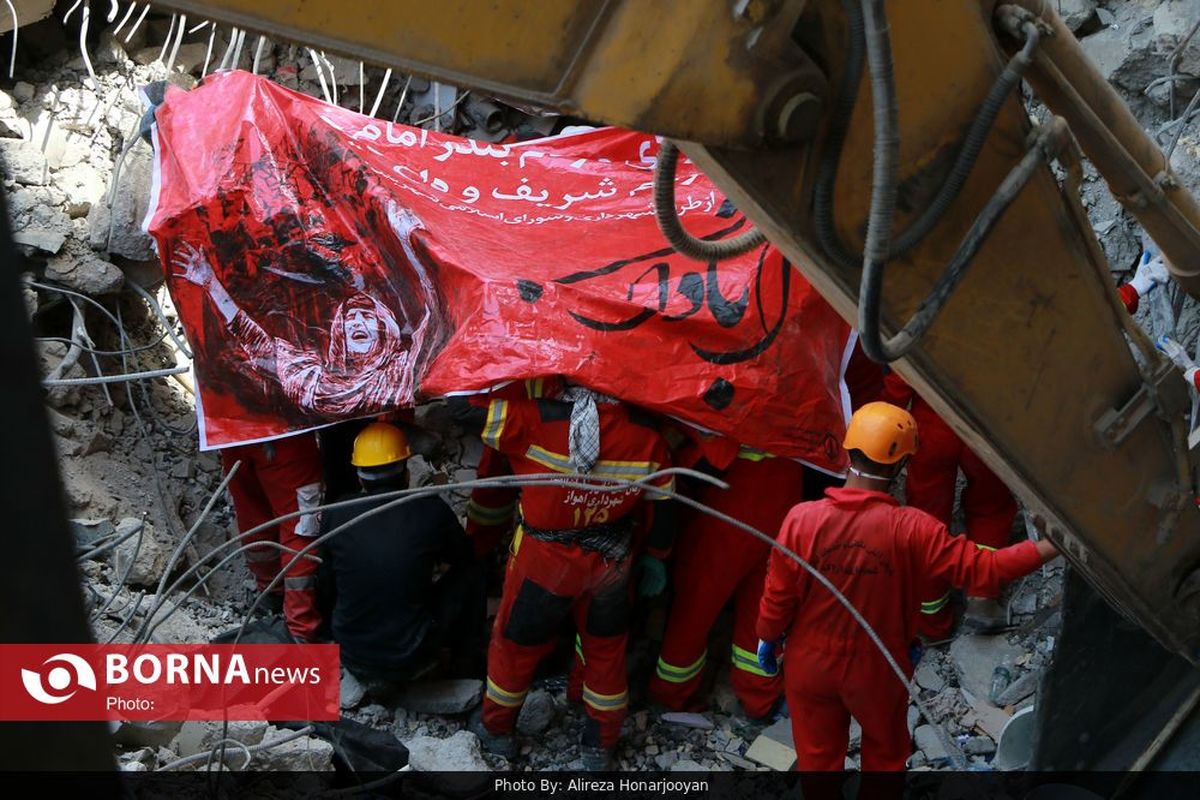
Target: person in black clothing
(390, 615)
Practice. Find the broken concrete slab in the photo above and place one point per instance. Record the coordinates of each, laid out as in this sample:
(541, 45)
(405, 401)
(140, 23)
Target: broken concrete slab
(201, 737)
(22, 92)
(1076, 13)
(24, 162)
(928, 677)
(457, 753)
(42, 239)
(687, 719)
(85, 272)
(149, 560)
(305, 754)
(442, 697)
(88, 531)
(927, 742)
(774, 747)
(1018, 690)
(975, 657)
(688, 765)
(128, 210)
(537, 712)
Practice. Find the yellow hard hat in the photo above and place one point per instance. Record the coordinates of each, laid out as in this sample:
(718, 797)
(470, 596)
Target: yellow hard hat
(378, 445)
(883, 432)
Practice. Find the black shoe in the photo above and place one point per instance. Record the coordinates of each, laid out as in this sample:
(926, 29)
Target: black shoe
(501, 744)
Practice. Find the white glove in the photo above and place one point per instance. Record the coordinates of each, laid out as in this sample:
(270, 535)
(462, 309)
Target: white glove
(1189, 375)
(1150, 273)
(1174, 351)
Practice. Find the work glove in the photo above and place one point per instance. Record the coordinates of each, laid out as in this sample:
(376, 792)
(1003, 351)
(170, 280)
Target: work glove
(1150, 273)
(652, 576)
(1175, 352)
(915, 651)
(768, 655)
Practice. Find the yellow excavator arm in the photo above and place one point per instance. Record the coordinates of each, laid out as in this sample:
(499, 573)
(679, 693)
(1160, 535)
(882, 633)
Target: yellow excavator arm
(885, 149)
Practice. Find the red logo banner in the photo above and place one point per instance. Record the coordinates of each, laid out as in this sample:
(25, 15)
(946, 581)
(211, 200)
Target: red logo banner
(327, 265)
(169, 682)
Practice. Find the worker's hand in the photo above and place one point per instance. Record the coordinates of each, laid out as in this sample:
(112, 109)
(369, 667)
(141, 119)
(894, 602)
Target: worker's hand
(1046, 549)
(1189, 375)
(768, 655)
(1150, 273)
(651, 576)
(194, 265)
(1176, 352)
(403, 221)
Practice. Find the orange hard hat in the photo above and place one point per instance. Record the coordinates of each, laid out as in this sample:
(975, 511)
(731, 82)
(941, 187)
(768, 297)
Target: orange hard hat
(378, 445)
(883, 432)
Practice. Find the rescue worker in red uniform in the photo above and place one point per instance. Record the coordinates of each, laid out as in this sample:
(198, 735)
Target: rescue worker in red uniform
(572, 554)
(879, 555)
(275, 478)
(988, 505)
(716, 562)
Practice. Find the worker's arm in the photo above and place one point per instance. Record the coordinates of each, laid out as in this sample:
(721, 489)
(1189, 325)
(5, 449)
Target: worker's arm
(1151, 272)
(783, 588)
(961, 562)
(491, 508)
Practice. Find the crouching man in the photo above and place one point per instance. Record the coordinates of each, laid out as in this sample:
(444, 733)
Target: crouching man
(389, 614)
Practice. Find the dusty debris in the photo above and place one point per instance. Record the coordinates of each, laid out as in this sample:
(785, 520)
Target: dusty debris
(774, 747)
(975, 658)
(687, 719)
(457, 753)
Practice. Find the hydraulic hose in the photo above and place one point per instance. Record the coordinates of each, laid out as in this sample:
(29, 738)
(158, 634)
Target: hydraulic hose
(671, 226)
(964, 161)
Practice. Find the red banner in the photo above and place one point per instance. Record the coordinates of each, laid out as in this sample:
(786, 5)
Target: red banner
(328, 265)
(169, 682)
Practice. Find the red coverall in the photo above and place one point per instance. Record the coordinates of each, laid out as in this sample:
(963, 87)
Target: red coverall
(988, 505)
(547, 581)
(716, 562)
(490, 509)
(276, 478)
(879, 554)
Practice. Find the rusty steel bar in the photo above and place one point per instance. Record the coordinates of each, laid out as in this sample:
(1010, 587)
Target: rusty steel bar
(1127, 158)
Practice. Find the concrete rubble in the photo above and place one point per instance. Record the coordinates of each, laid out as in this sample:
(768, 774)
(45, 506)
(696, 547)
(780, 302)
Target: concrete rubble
(61, 136)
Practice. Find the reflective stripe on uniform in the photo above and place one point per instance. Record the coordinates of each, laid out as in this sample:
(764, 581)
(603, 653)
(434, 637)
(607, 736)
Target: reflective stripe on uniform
(748, 662)
(673, 674)
(579, 650)
(985, 547)
(534, 387)
(502, 697)
(300, 584)
(934, 606)
(494, 426)
(747, 453)
(605, 702)
(489, 515)
(604, 468)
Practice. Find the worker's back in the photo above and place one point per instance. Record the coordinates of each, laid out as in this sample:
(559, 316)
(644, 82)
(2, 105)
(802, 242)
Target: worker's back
(535, 436)
(380, 571)
(861, 541)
